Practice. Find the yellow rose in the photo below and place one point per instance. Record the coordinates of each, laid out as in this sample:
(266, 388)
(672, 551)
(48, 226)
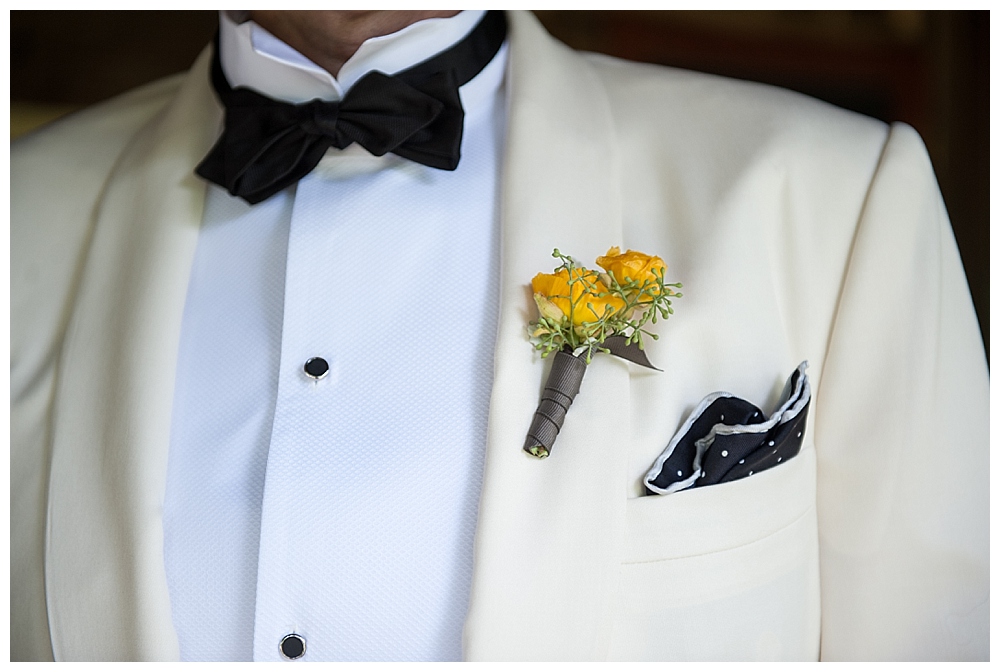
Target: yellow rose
(633, 266)
(553, 289)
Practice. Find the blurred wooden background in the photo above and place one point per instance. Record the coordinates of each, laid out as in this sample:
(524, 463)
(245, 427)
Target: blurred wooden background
(927, 68)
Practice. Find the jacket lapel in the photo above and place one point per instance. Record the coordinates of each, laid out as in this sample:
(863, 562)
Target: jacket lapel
(106, 586)
(550, 532)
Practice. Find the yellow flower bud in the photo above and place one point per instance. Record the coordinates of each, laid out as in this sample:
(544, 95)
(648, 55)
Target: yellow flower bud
(634, 266)
(587, 304)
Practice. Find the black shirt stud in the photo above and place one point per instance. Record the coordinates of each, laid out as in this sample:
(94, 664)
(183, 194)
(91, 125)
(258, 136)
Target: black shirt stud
(292, 646)
(316, 368)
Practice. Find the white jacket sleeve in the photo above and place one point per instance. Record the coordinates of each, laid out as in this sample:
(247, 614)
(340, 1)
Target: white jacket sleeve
(902, 435)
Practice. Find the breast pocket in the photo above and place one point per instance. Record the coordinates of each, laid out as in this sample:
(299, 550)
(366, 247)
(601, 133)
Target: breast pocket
(725, 572)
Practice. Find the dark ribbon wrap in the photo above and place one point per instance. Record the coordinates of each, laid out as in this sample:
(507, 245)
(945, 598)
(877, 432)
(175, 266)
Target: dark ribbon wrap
(561, 388)
(268, 145)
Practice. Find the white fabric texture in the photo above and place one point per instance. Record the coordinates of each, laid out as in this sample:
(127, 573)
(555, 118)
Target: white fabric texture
(372, 474)
(800, 231)
(227, 374)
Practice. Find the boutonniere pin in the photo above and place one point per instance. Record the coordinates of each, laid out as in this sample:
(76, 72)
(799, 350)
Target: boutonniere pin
(582, 312)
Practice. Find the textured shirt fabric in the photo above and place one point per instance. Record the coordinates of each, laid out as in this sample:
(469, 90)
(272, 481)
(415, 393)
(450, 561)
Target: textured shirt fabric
(341, 509)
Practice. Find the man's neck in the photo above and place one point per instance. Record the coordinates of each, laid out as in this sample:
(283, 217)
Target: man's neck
(329, 38)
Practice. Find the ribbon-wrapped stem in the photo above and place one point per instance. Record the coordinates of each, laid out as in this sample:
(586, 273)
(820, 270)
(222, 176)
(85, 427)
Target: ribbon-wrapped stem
(561, 388)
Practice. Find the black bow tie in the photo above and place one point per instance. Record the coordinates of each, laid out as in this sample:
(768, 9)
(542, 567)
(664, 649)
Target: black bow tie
(268, 145)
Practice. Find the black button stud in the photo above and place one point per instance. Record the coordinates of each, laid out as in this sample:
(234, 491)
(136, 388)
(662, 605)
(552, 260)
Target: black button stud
(292, 646)
(316, 367)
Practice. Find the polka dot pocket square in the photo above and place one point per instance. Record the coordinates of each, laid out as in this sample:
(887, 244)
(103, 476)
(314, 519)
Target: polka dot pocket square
(726, 438)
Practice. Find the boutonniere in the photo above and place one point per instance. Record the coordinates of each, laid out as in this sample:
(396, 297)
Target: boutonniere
(582, 312)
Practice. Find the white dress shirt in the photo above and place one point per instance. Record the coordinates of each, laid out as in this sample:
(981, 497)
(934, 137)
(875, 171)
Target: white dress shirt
(342, 509)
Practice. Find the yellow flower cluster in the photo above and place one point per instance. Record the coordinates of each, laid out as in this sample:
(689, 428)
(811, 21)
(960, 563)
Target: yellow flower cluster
(588, 298)
(579, 309)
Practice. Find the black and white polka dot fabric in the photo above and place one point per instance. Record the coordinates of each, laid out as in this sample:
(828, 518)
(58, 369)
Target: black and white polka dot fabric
(726, 438)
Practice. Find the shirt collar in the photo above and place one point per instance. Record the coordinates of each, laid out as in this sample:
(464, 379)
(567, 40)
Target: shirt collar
(254, 58)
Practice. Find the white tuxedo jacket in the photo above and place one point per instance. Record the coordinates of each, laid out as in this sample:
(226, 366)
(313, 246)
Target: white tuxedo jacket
(800, 232)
